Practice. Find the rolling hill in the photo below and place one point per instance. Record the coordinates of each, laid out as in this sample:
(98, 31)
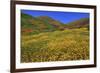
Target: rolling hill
(34, 25)
(52, 22)
(81, 23)
(31, 24)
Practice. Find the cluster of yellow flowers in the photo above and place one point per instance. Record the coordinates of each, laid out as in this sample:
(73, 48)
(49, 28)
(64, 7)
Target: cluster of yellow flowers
(55, 46)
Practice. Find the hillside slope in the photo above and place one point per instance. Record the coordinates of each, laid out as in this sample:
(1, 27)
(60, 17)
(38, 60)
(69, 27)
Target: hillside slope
(81, 23)
(31, 24)
(34, 25)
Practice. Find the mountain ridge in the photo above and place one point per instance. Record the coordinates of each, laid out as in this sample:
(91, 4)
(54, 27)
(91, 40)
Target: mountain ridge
(32, 24)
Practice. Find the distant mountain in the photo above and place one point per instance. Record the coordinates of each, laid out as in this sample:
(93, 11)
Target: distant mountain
(34, 25)
(81, 23)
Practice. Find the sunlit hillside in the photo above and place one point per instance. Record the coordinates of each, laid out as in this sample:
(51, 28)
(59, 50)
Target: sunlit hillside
(44, 39)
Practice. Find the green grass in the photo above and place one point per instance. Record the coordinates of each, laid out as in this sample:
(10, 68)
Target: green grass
(72, 44)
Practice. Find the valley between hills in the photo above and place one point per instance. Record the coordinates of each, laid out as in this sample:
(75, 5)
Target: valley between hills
(44, 39)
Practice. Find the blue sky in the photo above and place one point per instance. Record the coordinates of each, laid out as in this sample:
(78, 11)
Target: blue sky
(64, 17)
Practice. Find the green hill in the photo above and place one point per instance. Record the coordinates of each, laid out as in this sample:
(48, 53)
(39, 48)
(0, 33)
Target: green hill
(34, 25)
(51, 21)
(81, 23)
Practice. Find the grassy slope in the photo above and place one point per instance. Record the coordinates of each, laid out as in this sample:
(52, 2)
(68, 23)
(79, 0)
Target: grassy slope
(33, 25)
(56, 24)
(39, 44)
(56, 46)
(81, 23)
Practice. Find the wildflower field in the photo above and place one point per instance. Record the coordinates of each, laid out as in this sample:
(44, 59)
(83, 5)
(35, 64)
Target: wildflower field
(60, 45)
